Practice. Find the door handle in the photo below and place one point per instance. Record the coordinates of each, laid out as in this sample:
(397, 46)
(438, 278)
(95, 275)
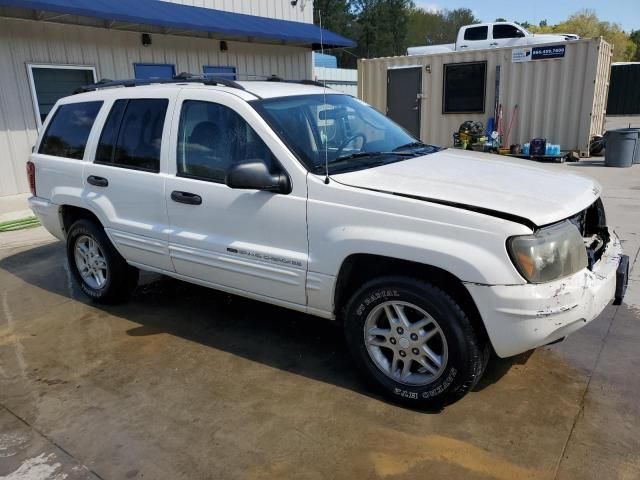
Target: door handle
(98, 181)
(494, 44)
(464, 46)
(186, 197)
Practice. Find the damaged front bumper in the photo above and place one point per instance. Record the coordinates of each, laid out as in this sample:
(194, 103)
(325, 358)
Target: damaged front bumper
(521, 317)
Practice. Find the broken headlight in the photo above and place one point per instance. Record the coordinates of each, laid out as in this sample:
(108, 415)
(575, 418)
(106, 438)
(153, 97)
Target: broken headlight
(550, 253)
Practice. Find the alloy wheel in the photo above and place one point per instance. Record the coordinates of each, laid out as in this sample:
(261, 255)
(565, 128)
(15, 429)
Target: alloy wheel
(406, 343)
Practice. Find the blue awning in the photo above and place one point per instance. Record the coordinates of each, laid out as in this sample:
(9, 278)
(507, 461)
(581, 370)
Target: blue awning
(188, 18)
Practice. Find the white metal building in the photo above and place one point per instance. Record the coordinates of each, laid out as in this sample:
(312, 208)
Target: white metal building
(341, 79)
(48, 48)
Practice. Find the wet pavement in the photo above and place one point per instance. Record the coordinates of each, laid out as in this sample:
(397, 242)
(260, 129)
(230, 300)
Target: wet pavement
(185, 382)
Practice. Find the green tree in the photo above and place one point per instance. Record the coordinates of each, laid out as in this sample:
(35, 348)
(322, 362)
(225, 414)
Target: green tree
(635, 38)
(433, 28)
(338, 17)
(587, 24)
(381, 27)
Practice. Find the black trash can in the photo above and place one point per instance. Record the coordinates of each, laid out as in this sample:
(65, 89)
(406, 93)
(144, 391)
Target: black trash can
(620, 147)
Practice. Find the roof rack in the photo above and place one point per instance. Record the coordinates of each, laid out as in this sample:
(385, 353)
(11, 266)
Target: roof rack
(205, 79)
(182, 78)
(275, 78)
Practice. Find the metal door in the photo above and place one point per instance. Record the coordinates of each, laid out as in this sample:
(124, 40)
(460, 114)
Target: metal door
(404, 92)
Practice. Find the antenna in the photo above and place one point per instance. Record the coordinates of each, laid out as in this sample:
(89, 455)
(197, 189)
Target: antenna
(324, 95)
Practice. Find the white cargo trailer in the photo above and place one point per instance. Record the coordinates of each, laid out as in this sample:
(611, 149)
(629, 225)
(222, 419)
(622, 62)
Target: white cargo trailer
(560, 90)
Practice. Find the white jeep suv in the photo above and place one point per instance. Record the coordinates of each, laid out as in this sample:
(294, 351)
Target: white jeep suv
(306, 198)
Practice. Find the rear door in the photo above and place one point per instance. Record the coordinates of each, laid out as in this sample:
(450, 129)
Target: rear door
(63, 149)
(404, 94)
(124, 185)
(245, 241)
(507, 35)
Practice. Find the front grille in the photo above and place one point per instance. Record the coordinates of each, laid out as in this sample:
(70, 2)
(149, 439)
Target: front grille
(592, 224)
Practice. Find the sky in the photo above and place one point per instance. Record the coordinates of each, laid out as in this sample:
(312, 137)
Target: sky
(624, 12)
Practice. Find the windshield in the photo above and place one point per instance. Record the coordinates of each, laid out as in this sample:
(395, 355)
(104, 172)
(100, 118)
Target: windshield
(344, 131)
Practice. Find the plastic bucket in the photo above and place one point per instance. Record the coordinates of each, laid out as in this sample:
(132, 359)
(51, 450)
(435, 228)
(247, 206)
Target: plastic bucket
(620, 147)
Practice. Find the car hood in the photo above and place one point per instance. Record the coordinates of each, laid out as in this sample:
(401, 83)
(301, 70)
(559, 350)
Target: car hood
(501, 186)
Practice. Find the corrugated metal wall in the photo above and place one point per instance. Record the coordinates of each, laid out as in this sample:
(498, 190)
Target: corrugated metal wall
(341, 79)
(113, 54)
(282, 9)
(562, 99)
(601, 89)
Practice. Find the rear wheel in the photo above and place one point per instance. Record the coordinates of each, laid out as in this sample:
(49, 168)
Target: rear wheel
(101, 272)
(414, 342)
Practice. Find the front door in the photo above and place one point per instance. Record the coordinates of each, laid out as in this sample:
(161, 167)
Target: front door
(245, 241)
(404, 89)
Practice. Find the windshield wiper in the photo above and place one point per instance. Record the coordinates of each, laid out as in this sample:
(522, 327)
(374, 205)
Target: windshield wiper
(411, 145)
(351, 156)
(367, 155)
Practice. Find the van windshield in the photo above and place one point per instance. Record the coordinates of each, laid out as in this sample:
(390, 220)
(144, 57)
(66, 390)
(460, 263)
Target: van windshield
(340, 130)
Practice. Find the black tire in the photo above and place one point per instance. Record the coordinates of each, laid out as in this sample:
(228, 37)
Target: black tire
(121, 278)
(468, 352)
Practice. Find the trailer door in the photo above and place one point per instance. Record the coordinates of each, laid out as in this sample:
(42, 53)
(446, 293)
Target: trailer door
(404, 91)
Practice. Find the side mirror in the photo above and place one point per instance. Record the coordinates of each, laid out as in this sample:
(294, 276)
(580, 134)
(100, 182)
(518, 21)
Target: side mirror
(254, 175)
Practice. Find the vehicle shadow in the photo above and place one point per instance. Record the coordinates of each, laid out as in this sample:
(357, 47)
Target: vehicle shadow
(280, 338)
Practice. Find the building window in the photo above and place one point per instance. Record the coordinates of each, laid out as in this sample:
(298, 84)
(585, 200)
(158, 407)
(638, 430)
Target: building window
(49, 83)
(69, 129)
(154, 71)
(223, 72)
(464, 87)
(132, 134)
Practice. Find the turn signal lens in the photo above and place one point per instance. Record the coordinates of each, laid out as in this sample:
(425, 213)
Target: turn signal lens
(526, 263)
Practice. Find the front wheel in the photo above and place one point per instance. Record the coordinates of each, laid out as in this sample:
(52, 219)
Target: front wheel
(102, 273)
(414, 342)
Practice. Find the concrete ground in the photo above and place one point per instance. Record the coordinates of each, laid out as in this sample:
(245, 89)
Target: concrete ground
(612, 122)
(184, 382)
(14, 207)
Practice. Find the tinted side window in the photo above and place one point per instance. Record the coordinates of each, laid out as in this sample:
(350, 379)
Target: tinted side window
(132, 135)
(212, 137)
(507, 31)
(476, 33)
(67, 134)
(107, 144)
